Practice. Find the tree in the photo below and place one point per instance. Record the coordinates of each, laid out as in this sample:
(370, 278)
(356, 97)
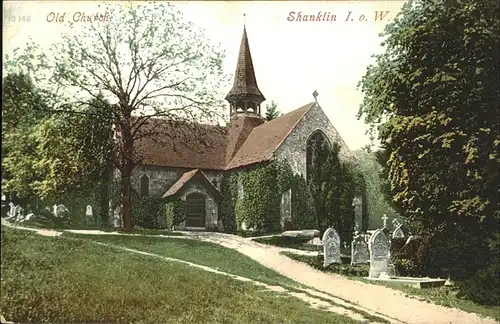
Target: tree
(272, 111)
(333, 187)
(378, 195)
(47, 156)
(438, 113)
(433, 98)
(149, 63)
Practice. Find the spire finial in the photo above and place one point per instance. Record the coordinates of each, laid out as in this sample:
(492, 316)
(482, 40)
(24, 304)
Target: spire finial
(315, 95)
(244, 20)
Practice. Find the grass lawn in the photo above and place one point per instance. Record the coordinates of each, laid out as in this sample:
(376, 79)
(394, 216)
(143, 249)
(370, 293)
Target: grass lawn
(66, 280)
(445, 296)
(203, 253)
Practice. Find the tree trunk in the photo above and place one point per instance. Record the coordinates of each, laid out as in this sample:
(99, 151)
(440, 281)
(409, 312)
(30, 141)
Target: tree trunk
(127, 223)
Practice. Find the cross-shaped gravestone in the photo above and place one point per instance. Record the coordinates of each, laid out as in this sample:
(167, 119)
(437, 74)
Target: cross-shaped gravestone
(385, 218)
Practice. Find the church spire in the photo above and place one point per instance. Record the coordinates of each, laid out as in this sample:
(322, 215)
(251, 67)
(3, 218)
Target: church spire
(245, 96)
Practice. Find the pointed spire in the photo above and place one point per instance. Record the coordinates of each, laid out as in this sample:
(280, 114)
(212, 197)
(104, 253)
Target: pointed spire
(245, 93)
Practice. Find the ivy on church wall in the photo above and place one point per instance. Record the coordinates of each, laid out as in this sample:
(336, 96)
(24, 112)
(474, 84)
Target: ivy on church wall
(259, 208)
(175, 212)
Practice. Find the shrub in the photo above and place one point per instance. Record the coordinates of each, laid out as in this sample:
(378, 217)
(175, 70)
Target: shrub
(482, 288)
(344, 269)
(175, 212)
(452, 251)
(397, 244)
(405, 260)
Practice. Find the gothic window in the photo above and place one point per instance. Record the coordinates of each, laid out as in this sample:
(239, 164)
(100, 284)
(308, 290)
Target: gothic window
(144, 186)
(316, 141)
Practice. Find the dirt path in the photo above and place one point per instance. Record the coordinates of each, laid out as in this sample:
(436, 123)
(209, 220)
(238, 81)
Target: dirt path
(376, 298)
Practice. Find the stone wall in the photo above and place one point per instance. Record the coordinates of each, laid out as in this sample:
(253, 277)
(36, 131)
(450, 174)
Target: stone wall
(293, 148)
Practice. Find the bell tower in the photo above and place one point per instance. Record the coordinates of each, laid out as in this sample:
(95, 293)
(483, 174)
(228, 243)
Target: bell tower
(245, 97)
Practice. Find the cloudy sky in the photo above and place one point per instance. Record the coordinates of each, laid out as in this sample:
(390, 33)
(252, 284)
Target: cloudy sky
(292, 57)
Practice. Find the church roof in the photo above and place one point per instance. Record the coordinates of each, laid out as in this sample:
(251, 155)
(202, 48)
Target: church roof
(180, 146)
(245, 83)
(266, 138)
(216, 149)
(186, 177)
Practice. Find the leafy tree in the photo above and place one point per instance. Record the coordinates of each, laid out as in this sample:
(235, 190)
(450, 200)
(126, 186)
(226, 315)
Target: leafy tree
(333, 187)
(148, 62)
(47, 156)
(434, 96)
(378, 194)
(272, 111)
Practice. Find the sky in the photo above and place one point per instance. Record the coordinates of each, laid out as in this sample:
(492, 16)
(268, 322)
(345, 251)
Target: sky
(292, 57)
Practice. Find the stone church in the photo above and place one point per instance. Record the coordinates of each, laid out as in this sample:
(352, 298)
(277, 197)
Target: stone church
(194, 175)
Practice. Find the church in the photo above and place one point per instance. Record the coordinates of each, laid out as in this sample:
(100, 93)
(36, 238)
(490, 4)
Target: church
(194, 175)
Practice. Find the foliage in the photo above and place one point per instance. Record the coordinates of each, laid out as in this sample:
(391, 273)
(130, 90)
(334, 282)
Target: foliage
(175, 212)
(149, 212)
(397, 243)
(333, 186)
(442, 156)
(272, 111)
(47, 157)
(443, 161)
(303, 211)
(147, 60)
(482, 288)
(378, 198)
(229, 187)
(405, 260)
(259, 208)
(299, 243)
(41, 277)
(345, 269)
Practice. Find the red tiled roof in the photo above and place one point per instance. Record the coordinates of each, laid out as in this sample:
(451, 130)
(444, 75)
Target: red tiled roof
(180, 146)
(266, 138)
(200, 178)
(180, 183)
(246, 140)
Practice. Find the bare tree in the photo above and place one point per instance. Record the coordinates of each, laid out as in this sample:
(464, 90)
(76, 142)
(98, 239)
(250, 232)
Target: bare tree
(149, 63)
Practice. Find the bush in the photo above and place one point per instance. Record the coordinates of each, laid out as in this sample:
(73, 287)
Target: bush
(397, 244)
(175, 212)
(405, 260)
(344, 269)
(482, 288)
(452, 252)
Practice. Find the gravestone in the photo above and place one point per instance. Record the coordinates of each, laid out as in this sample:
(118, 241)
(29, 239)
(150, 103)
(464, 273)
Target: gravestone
(89, 214)
(386, 232)
(359, 250)
(358, 211)
(11, 213)
(379, 254)
(286, 208)
(28, 217)
(331, 247)
(60, 210)
(398, 232)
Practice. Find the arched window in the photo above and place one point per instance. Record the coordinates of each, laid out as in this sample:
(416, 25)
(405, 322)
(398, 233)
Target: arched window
(144, 186)
(315, 141)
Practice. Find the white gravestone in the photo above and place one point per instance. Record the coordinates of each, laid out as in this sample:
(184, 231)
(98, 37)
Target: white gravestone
(398, 232)
(379, 254)
(88, 211)
(331, 247)
(11, 213)
(286, 207)
(359, 250)
(18, 213)
(59, 210)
